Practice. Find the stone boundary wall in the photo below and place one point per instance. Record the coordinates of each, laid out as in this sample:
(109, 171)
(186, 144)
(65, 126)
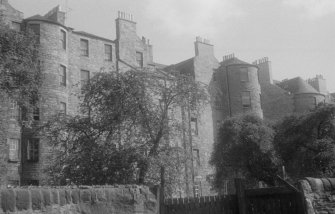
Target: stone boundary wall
(75, 200)
(319, 195)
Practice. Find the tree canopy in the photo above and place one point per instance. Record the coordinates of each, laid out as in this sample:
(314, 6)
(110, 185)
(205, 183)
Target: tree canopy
(244, 149)
(20, 76)
(306, 143)
(250, 148)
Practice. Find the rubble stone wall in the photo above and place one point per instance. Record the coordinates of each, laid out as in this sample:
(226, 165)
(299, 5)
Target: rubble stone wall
(319, 195)
(105, 199)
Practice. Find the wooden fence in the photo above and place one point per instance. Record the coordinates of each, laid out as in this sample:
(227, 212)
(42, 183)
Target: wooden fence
(206, 205)
(277, 200)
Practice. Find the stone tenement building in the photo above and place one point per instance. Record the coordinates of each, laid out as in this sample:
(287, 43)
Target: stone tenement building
(69, 58)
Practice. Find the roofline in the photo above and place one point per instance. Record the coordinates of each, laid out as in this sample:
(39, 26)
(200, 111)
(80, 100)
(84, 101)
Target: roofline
(93, 36)
(48, 21)
(243, 65)
(309, 93)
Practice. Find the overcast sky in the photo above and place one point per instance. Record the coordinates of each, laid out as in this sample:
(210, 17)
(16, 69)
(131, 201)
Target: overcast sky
(298, 36)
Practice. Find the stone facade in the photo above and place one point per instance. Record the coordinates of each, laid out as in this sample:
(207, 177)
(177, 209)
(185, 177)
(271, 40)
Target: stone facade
(235, 87)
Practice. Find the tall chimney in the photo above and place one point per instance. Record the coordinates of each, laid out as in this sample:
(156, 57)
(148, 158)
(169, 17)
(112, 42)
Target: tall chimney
(203, 47)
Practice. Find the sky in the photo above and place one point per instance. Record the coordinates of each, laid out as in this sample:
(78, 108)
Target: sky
(298, 36)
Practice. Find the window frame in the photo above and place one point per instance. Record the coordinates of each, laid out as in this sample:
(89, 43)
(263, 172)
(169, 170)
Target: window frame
(33, 150)
(108, 56)
(244, 105)
(14, 110)
(13, 152)
(194, 130)
(63, 39)
(62, 75)
(139, 62)
(84, 47)
(82, 71)
(244, 74)
(37, 33)
(62, 108)
(36, 114)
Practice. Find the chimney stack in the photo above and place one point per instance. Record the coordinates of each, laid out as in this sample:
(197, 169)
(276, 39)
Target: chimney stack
(203, 47)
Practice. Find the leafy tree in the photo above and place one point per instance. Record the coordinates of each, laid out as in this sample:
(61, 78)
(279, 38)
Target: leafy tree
(306, 143)
(20, 77)
(20, 80)
(134, 114)
(244, 149)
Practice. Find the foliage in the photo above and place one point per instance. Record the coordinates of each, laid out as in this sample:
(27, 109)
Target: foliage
(128, 119)
(20, 77)
(244, 149)
(306, 143)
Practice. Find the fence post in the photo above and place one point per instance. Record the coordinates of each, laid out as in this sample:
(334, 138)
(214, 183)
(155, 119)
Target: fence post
(240, 192)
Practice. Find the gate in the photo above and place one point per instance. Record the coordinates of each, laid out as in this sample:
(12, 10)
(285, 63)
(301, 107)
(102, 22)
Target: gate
(277, 200)
(274, 200)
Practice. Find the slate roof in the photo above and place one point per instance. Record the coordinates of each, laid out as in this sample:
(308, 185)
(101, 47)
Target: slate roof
(298, 86)
(184, 67)
(83, 33)
(43, 18)
(235, 61)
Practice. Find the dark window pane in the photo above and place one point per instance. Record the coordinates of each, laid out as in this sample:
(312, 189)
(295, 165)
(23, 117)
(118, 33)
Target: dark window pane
(62, 75)
(139, 59)
(83, 47)
(108, 53)
(63, 39)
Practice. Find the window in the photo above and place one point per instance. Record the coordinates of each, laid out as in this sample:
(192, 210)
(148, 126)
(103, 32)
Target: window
(246, 102)
(36, 113)
(14, 110)
(62, 108)
(16, 26)
(85, 77)
(194, 126)
(214, 76)
(108, 53)
(139, 59)
(62, 75)
(13, 145)
(196, 157)
(218, 124)
(197, 189)
(83, 47)
(244, 74)
(217, 102)
(63, 39)
(36, 29)
(33, 150)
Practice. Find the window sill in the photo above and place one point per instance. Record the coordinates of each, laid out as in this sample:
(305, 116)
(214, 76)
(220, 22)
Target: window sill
(13, 161)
